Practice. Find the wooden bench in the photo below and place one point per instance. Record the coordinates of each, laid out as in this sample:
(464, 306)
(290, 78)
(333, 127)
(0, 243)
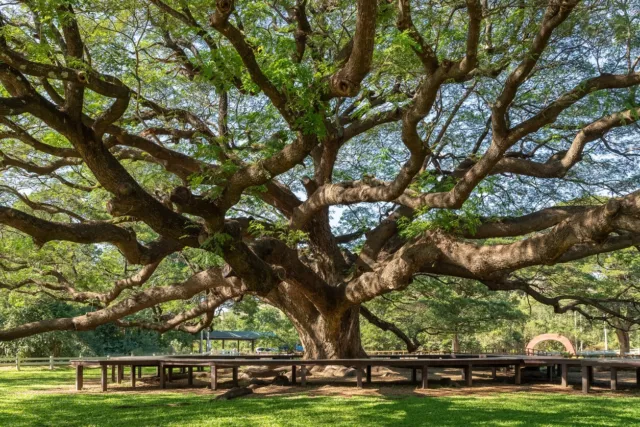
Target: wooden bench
(361, 365)
(165, 366)
(118, 364)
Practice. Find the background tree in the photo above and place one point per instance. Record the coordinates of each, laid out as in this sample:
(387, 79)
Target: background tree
(315, 154)
(435, 308)
(609, 280)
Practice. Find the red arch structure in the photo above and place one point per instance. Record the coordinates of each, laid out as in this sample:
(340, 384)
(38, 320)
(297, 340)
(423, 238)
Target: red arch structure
(551, 337)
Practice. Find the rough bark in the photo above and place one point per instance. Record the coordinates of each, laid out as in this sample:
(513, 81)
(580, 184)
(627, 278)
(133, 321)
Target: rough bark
(331, 334)
(624, 341)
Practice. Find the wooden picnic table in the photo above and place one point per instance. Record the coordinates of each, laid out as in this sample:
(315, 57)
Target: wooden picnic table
(163, 363)
(166, 364)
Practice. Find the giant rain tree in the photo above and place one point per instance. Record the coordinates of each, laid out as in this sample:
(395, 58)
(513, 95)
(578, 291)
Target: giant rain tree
(322, 152)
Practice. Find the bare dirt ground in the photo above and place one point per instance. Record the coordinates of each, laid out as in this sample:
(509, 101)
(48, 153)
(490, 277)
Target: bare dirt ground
(385, 382)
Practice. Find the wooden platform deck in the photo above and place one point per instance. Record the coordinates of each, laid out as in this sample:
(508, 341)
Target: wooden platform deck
(165, 365)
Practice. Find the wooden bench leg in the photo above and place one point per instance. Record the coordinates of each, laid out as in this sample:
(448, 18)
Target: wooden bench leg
(214, 377)
(368, 374)
(425, 377)
(170, 374)
(614, 378)
(518, 374)
(139, 371)
(494, 374)
(190, 375)
(133, 376)
(586, 379)
(103, 377)
(293, 374)
(235, 376)
(359, 376)
(119, 372)
(79, 377)
(163, 377)
(303, 376)
(564, 372)
(468, 375)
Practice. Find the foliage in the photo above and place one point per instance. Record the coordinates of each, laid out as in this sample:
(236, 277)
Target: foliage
(152, 150)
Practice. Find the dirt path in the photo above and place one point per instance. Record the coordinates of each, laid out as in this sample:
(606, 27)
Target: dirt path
(385, 382)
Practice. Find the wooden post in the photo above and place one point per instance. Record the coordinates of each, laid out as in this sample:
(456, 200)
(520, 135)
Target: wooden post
(614, 378)
(235, 376)
(163, 377)
(494, 373)
(170, 373)
(425, 376)
(518, 374)
(51, 363)
(586, 377)
(79, 377)
(359, 376)
(414, 376)
(120, 373)
(113, 373)
(133, 376)
(214, 377)
(368, 374)
(158, 371)
(468, 374)
(103, 377)
(293, 374)
(550, 373)
(17, 362)
(303, 375)
(139, 371)
(564, 375)
(190, 375)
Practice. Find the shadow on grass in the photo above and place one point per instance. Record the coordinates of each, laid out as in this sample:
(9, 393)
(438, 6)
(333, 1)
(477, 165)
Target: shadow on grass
(191, 410)
(23, 403)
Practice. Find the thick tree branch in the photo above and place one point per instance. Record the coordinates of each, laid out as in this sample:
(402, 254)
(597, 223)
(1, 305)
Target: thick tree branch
(412, 345)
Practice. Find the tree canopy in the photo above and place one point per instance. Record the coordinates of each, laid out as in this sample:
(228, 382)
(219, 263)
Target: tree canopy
(165, 157)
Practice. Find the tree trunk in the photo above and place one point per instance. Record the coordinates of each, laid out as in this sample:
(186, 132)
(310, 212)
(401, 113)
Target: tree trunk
(455, 345)
(624, 340)
(336, 337)
(332, 335)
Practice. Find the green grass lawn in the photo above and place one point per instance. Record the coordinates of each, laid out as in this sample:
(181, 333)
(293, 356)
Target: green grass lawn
(28, 398)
